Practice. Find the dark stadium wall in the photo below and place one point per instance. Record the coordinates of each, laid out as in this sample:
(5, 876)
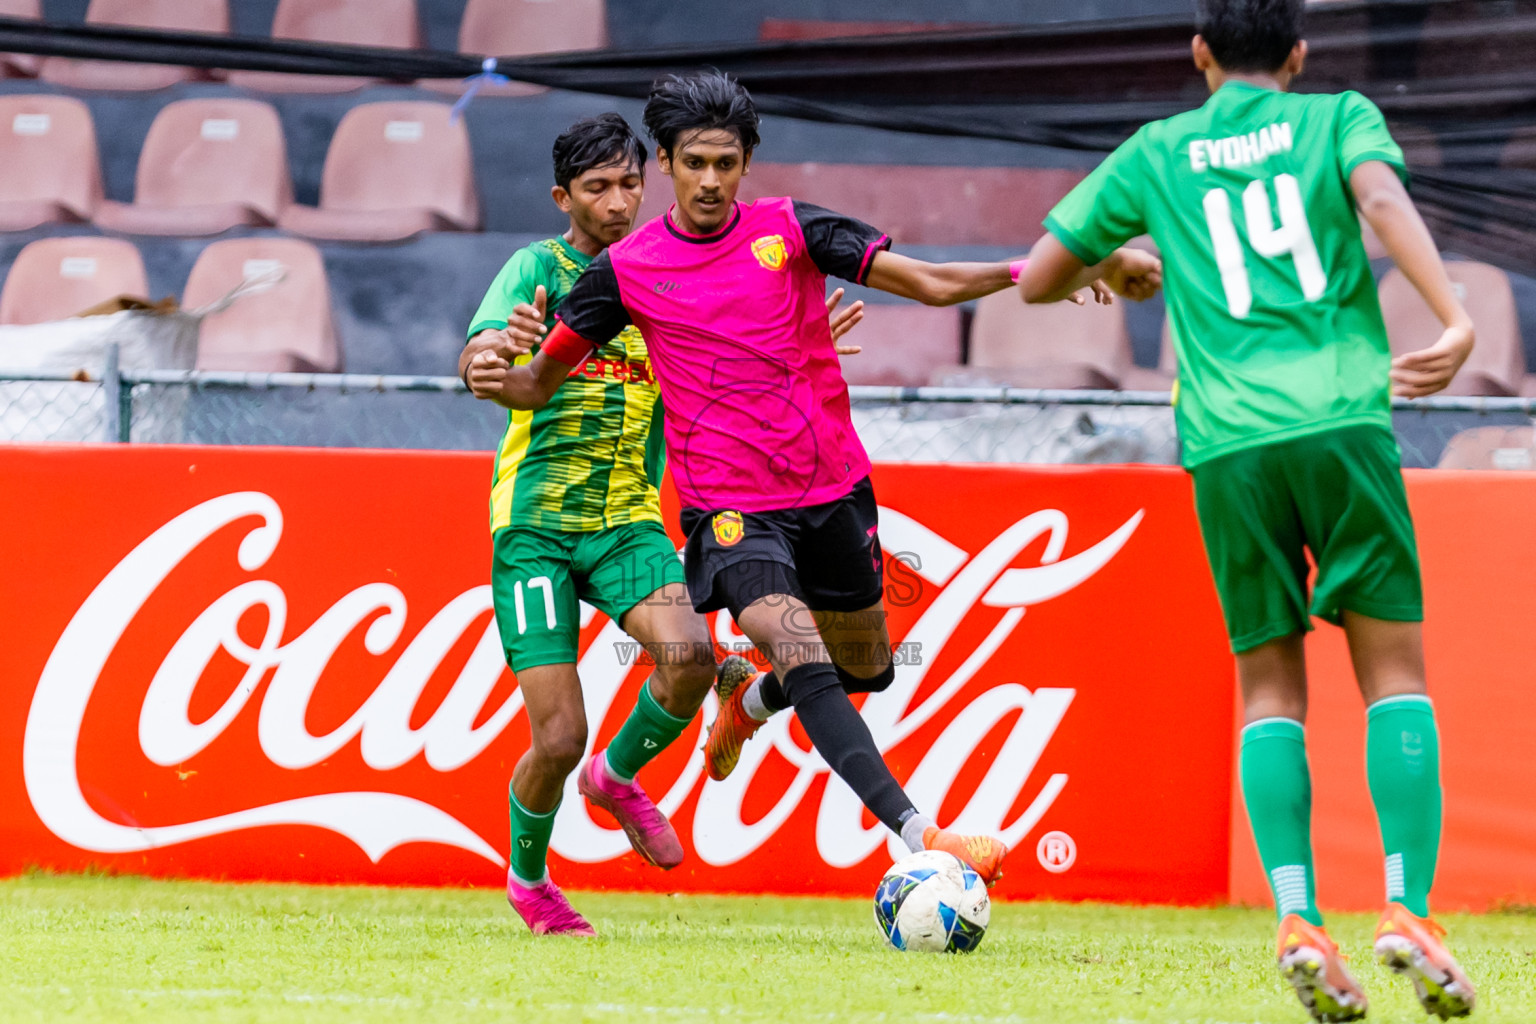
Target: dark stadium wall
(634, 23)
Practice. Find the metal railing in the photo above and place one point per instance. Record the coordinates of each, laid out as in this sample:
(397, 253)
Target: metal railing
(998, 425)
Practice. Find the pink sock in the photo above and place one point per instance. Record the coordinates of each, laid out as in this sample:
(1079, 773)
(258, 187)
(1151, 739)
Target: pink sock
(606, 779)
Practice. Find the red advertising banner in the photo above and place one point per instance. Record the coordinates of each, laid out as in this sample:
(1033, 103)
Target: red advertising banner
(282, 664)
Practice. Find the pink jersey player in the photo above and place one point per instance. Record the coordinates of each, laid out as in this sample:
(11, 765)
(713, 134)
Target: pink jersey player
(736, 325)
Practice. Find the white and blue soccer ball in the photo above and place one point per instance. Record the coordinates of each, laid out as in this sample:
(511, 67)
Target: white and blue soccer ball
(931, 902)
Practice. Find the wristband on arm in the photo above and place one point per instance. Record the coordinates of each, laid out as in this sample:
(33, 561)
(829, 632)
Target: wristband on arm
(1016, 270)
(566, 346)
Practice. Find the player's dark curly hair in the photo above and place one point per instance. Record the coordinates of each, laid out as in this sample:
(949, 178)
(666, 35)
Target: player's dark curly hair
(1249, 35)
(701, 101)
(606, 140)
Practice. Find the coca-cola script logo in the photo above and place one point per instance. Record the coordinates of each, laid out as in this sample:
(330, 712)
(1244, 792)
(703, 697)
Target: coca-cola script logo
(378, 821)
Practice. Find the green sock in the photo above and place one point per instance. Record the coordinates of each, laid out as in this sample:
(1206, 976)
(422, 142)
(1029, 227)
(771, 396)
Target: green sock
(1402, 762)
(647, 732)
(530, 840)
(1277, 788)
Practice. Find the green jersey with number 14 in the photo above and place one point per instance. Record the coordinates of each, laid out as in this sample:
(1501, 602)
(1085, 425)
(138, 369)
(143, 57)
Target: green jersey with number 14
(1270, 296)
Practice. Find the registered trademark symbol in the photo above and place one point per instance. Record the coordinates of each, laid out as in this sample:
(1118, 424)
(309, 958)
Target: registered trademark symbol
(1056, 852)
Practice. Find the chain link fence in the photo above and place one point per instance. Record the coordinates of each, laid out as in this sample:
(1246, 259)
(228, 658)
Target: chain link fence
(993, 425)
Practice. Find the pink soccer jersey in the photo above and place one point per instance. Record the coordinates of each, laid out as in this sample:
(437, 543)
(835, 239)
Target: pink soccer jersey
(757, 413)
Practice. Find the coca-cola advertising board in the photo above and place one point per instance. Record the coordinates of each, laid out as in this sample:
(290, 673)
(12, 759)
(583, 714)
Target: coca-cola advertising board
(283, 664)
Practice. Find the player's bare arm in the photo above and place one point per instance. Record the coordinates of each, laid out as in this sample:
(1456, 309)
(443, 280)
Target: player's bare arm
(526, 328)
(1054, 273)
(1386, 207)
(516, 385)
(490, 340)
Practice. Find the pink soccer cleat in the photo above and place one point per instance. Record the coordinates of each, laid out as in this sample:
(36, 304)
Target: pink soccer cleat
(650, 833)
(546, 910)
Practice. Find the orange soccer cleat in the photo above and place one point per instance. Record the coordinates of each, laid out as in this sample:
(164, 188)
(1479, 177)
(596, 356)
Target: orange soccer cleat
(732, 726)
(1312, 963)
(1412, 946)
(982, 854)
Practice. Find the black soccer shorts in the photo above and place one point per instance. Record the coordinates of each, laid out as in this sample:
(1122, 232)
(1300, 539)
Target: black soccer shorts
(826, 555)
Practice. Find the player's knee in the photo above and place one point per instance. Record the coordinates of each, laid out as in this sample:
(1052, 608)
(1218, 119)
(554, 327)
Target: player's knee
(873, 684)
(561, 744)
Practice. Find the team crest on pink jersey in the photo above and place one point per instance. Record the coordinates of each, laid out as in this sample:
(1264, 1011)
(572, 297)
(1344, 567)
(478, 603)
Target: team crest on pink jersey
(771, 252)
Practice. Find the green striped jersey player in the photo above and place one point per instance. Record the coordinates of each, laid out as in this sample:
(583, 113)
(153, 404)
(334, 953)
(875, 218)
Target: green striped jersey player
(1284, 410)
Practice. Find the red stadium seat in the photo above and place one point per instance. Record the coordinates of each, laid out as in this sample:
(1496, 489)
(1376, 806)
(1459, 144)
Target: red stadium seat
(902, 344)
(355, 22)
(55, 278)
(207, 166)
(914, 205)
(20, 65)
(1497, 364)
(525, 28)
(176, 15)
(49, 168)
(286, 328)
(1058, 345)
(393, 170)
(1491, 448)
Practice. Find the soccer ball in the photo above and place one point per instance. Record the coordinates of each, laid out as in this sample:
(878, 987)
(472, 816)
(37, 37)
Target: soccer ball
(931, 902)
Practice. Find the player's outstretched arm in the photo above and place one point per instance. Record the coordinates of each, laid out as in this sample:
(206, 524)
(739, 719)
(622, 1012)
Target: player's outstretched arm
(525, 327)
(1054, 273)
(515, 386)
(1391, 214)
(936, 284)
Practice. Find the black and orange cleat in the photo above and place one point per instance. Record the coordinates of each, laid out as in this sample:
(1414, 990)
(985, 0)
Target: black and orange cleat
(1413, 947)
(1310, 960)
(982, 854)
(732, 725)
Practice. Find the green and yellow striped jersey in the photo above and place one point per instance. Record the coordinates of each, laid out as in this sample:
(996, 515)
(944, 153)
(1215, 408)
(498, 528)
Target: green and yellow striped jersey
(592, 458)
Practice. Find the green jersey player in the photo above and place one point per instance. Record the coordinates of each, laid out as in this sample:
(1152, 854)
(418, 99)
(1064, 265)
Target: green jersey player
(1284, 410)
(575, 516)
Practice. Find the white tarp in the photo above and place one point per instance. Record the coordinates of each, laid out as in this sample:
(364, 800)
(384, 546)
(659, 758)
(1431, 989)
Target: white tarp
(76, 410)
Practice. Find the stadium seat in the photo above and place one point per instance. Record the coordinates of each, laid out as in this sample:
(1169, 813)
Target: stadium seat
(176, 15)
(207, 166)
(1491, 448)
(914, 205)
(49, 169)
(55, 278)
(1519, 151)
(1497, 363)
(286, 328)
(1059, 345)
(354, 22)
(20, 65)
(526, 28)
(902, 344)
(393, 170)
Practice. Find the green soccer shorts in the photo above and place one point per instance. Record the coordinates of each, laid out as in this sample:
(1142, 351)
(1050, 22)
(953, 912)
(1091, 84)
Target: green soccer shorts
(539, 576)
(1338, 494)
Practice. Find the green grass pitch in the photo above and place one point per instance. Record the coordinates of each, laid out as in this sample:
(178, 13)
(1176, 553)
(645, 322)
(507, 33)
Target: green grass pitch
(128, 949)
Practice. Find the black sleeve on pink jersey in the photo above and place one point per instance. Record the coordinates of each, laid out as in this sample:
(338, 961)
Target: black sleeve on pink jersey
(594, 309)
(840, 246)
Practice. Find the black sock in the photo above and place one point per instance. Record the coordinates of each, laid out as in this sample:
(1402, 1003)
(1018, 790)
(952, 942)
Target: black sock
(843, 740)
(772, 692)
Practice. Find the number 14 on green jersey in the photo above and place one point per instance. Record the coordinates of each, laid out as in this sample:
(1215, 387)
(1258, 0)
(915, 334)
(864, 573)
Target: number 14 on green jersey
(1292, 237)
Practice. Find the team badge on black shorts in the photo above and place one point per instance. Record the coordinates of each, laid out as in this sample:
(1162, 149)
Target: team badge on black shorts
(771, 252)
(729, 529)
